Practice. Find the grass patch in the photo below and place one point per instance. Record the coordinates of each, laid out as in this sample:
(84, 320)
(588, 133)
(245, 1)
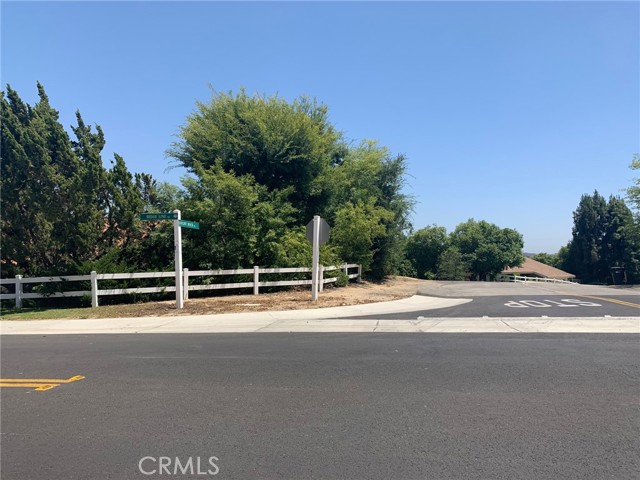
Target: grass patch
(107, 311)
(45, 313)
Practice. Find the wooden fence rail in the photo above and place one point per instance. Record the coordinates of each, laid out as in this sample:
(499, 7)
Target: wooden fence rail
(19, 294)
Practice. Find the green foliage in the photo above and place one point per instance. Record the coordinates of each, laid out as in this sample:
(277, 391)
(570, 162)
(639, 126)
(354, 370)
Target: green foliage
(342, 279)
(633, 192)
(61, 209)
(280, 144)
(357, 227)
(424, 248)
(224, 204)
(486, 248)
(605, 235)
(262, 167)
(300, 167)
(546, 258)
(369, 174)
(452, 265)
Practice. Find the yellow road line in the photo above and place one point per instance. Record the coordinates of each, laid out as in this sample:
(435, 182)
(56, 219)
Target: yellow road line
(41, 380)
(37, 386)
(612, 300)
(40, 384)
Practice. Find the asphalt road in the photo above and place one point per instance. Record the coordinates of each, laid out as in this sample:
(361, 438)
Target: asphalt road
(509, 306)
(329, 406)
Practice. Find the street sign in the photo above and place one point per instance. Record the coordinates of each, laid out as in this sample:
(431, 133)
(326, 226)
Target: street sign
(325, 230)
(159, 216)
(189, 224)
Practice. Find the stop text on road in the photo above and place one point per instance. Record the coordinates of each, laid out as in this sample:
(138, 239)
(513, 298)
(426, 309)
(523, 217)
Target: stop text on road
(563, 303)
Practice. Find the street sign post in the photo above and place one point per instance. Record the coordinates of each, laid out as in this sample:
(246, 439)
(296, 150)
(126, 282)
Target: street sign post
(178, 224)
(177, 240)
(317, 233)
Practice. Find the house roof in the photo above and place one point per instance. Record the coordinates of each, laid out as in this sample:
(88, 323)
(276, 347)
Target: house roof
(533, 267)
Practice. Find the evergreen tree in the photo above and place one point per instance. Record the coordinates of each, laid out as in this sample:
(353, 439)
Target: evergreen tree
(605, 235)
(584, 257)
(61, 210)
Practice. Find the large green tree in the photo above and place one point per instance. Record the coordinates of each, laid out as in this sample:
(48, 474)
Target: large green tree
(301, 167)
(61, 210)
(604, 236)
(486, 248)
(584, 257)
(370, 175)
(281, 144)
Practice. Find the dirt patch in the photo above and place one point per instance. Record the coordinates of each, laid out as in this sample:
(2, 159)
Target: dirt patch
(355, 294)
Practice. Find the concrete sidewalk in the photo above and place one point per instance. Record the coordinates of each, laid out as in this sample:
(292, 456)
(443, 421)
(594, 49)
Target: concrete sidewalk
(327, 320)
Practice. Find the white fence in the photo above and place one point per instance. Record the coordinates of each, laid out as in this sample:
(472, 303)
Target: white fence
(95, 292)
(525, 279)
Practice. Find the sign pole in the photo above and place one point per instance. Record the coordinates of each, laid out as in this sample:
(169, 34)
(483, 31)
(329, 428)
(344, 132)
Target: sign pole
(316, 258)
(177, 240)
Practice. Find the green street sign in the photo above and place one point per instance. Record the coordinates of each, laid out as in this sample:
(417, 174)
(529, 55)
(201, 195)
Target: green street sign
(189, 224)
(158, 216)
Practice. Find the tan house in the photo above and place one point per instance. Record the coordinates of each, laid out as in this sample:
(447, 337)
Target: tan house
(533, 268)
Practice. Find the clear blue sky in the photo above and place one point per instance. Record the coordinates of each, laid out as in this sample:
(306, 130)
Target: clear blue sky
(507, 112)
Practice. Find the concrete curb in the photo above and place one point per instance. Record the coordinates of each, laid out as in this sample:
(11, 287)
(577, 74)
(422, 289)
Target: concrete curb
(237, 322)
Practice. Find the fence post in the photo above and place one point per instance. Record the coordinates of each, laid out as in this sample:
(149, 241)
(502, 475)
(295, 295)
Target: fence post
(18, 292)
(185, 283)
(94, 289)
(346, 271)
(256, 279)
(320, 278)
(359, 279)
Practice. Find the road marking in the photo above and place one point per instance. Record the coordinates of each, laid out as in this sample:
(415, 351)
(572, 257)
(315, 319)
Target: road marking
(40, 384)
(568, 303)
(612, 300)
(42, 380)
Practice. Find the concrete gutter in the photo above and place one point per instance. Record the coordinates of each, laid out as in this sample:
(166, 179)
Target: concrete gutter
(327, 320)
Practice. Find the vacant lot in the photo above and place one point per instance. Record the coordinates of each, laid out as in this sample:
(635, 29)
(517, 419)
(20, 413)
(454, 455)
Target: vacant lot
(356, 293)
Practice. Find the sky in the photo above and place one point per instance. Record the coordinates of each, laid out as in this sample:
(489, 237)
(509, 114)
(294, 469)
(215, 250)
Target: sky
(506, 111)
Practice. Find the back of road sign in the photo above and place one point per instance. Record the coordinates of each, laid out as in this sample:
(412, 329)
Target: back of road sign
(325, 230)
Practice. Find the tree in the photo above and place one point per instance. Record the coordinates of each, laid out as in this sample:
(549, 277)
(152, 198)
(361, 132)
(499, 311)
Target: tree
(301, 167)
(280, 144)
(424, 248)
(56, 192)
(584, 257)
(620, 246)
(224, 204)
(125, 202)
(452, 266)
(605, 235)
(38, 168)
(546, 258)
(633, 192)
(370, 173)
(357, 227)
(486, 248)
